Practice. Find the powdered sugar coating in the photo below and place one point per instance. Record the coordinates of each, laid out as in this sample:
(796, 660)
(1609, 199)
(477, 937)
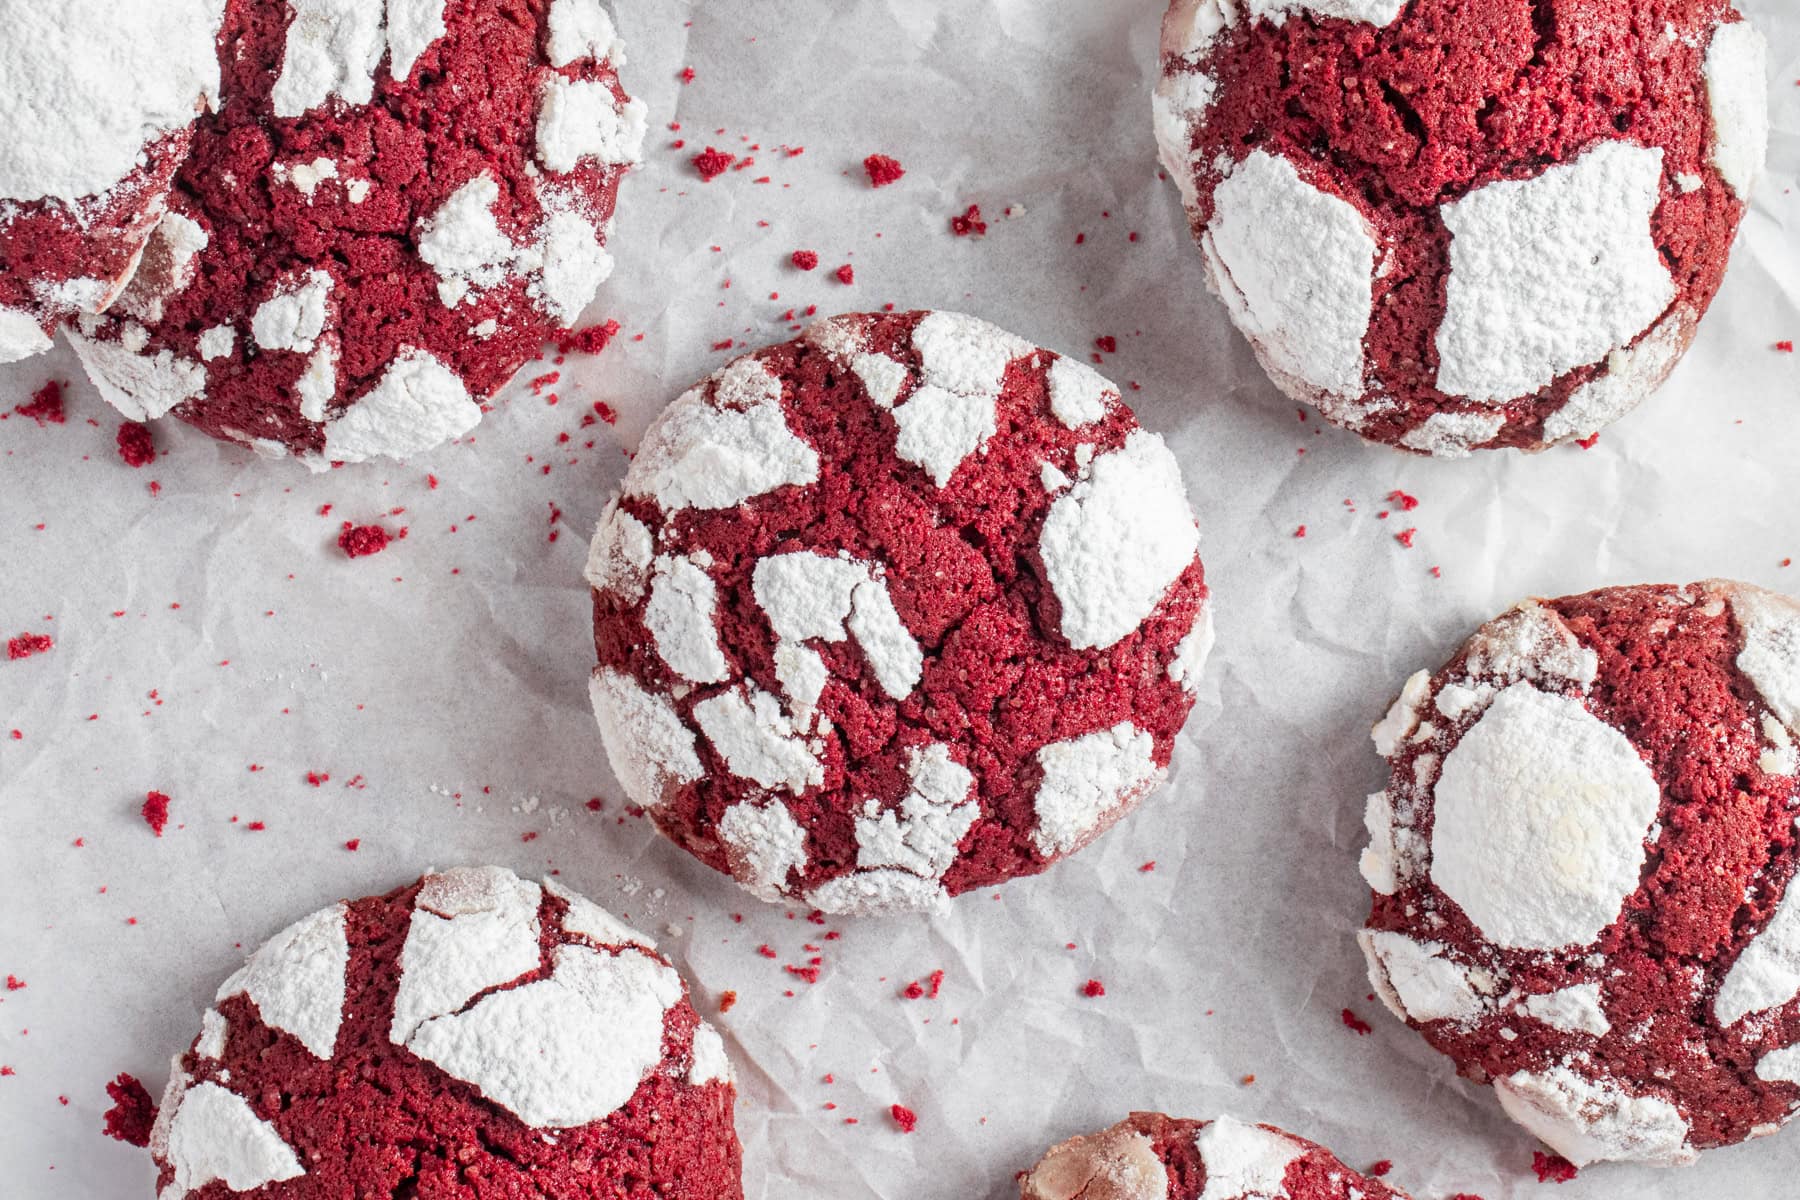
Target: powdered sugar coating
(582, 29)
(1631, 376)
(680, 618)
(1572, 1009)
(1551, 273)
(1767, 973)
(1417, 981)
(584, 120)
(214, 1135)
(296, 980)
(1589, 1121)
(856, 595)
(294, 316)
(21, 335)
(419, 403)
(473, 928)
(141, 387)
(1737, 76)
(1245, 1160)
(651, 749)
(1771, 654)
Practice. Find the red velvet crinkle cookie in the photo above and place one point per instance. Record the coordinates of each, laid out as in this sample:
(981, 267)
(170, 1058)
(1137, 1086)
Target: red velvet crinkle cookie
(1454, 226)
(1584, 867)
(470, 1034)
(389, 214)
(1149, 1156)
(97, 104)
(905, 607)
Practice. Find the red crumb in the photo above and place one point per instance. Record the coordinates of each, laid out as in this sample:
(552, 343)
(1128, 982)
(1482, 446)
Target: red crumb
(936, 982)
(883, 170)
(1300, 532)
(1093, 988)
(46, 407)
(156, 812)
(1786, 347)
(358, 541)
(969, 223)
(914, 990)
(591, 340)
(1552, 1168)
(727, 1001)
(1107, 344)
(256, 827)
(806, 260)
(132, 1114)
(14, 984)
(766, 950)
(136, 448)
(713, 163)
(687, 75)
(846, 274)
(1588, 443)
(1405, 537)
(1379, 1169)
(809, 973)
(353, 844)
(904, 1117)
(1356, 1024)
(1404, 501)
(28, 644)
(317, 778)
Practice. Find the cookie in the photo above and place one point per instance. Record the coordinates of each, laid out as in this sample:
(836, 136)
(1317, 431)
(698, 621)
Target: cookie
(902, 608)
(1584, 867)
(384, 220)
(1453, 226)
(470, 1034)
(98, 102)
(1149, 1156)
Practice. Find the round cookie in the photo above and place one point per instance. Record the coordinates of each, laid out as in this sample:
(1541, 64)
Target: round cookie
(1453, 226)
(1584, 867)
(902, 608)
(97, 101)
(1149, 1156)
(383, 221)
(468, 1034)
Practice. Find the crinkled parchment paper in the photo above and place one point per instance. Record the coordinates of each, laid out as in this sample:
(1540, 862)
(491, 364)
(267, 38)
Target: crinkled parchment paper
(213, 643)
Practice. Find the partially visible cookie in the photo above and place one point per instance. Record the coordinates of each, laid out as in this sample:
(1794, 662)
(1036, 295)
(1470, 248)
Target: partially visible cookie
(97, 104)
(1584, 867)
(1149, 1156)
(902, 608)
(390, 213)
(471, 1034)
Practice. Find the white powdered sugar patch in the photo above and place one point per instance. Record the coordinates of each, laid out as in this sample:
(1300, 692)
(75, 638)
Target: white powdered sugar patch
(680, 617)
(878, 892)
(296, 980)
(333, 48)
(217, 342)
(165, 268)
(1530, 642)
(472, 928)
(294, 316)
(562, 1051)
(650, 746)
(764, 844)
(1402, 718)
(937, 812)
(1244, 1160)
(1418, 981)
(1383, 859)
(940, 429)
(214, 1135)
(1296, 267)
(1631, 375)
(1572, 1009)
(318, 383)
(588, 919)
(1590, 1120)
(965, 355)
(21, 336)
(1542, 815)
(1770, 625)
(1780, 1066)
(711, 1064)
(620, 555)
(758, 741)
(1088, 779)
(951, 415)
(1737, 78)
(1767, 972)
(568, 263)
(808, 596)
(717, 451)
(582, 29)
(214, 1031)
(882, 377)
(1179, 103)
(563, 266)
(1192, 652)
(418, 404)
(412, 25)
(143, 387)
(104, 77)
(583, 119)
(1114, 543)
(1078, 393)
(1551, 273)
(1453, 434)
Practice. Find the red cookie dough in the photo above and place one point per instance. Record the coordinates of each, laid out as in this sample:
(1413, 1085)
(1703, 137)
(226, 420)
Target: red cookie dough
(97, 105)
(1149, 1156)
(902, 608)
(1584, 867)
(383, 221)
(1454, 226)
(468, 1035)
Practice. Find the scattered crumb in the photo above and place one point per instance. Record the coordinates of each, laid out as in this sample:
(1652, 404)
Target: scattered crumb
(132, 1114)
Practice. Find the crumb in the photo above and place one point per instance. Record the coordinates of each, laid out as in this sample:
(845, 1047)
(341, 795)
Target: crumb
(359, 541)
(1356, 1024)
(156, 812)
(1552, 1168)
(1093, 989)
(712, 163)
(883, 170)
(591, 340)
(970, 223)
(46, 407)
(846, 274)
(904, 1117)
(136, 448)
(806, 260)
(1379, 1169)
(28, 644)
(727, 1001)
(132, 1114)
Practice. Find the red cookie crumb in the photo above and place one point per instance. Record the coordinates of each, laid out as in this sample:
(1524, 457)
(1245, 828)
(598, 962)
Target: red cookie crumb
(359, 541)
(1093, 989)
(156, 812)
(970, 223)
(904, 1117)
(132, 1114)
(14, 984)
(28, 644)
(1356, 1024)
(591, 340)
(806, 260)
(712, 163)
(46, 407)
(846, 274)
(1381, 1168)
(136, 447)
(883, 170)
(1552, 1168)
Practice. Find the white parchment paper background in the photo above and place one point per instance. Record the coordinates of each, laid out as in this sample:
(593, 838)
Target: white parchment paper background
(449, 673)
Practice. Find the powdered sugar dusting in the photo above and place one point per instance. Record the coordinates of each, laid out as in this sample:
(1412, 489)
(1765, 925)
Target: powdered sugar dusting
(214, 1135)
(1737, 76)
(650, 746)
(412, 25)
(1542, 815)
(142, 387)
(296, 980)
(1115, 1164)
(21, 336)
(680, 618)
(472, 928)
(922, 835)
(809, 596)
(1087, 780)
(619, 557)
(717, 450)
(1245, 1160)
(1192, 652)
(418, 404)
(1551, 273)
(588, 919)
(965, 355)
(1767, 972)
(1114, 543)
(1417, 980)
(1078, 393)
(581, 29)
(878, 892)
(711, 1064)
(333, 48)
(1572, 1009)
(764, 844)
(294, 316)
(1631, 375)
(1297, 267)
(1770, 625)
(1589, 1120)
(1454, 434)
(758, 741)
(581, 119)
